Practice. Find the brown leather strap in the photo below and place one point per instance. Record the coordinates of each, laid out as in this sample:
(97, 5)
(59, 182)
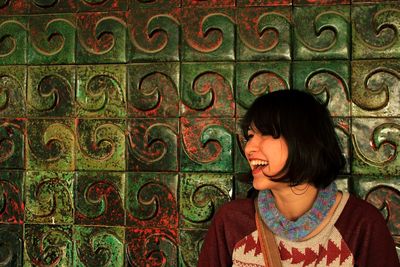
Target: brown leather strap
(269, 248)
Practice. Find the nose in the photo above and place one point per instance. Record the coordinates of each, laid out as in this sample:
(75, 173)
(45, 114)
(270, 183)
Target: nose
(251, 146)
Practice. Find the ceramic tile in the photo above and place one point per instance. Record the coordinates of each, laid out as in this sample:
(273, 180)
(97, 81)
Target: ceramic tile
(321, 32)
(151, 247)
(375, 143)
(49, 197)
(48, 244)
(375, 88)
(50, 144)
(100, 144)
(13, 91)
(151, 200)
(153, 90)
(154, 34)
(343, 132)
(101, 91)
(16, 7)
(50, 91)
(55, 44)
(99, 198)
(101, 37)
(98, 246)
(383, 193)
(208, 3)
(152, 144)
(240, 162)
(12, 202)
(52, 6)
(200, 195)
(191, 242)
(264, 33)
(257, 78)
(247, 3)
(208, 34)
(328, 81)
(12, 144)
(207, 90)
(11, 239)
(105, 6)
(375, 32)
(13, 40)
(243, 185)
(207, 145)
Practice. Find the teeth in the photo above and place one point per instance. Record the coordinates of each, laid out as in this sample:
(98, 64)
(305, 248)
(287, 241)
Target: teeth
(258, 162)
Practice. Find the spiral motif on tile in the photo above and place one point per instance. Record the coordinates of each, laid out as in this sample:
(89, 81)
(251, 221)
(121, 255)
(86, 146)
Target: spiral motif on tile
(269, 27)
(50, 93)
(11, 206)
(328, 86)
(50, 199)
(152, 90)
(385, 141)
(45, 3)
(8, 139)
(211, 36)
(387, 200)
(325, 34)
(376, 91)
(156, 34)
(9, 40)
(48, 246)
(100, 248)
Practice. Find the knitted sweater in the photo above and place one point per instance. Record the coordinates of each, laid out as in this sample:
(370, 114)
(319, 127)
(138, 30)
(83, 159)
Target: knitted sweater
(357, 235)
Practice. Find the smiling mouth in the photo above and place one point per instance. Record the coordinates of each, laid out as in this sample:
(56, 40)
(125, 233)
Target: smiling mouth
(258, 165)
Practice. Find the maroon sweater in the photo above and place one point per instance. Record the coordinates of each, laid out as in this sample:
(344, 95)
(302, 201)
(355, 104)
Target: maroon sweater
(360, 224)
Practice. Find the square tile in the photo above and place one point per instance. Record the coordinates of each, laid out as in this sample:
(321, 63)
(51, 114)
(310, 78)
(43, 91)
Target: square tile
(151, 247)
(321, 32)
(49, 197)
(153, 144)
(200, 195)
(13, 91)
(12, 202)
(208, 34)
(254, 79)
(151, 200)
(264, 33)
(101, 91)
(328, 81)
(11, 239)
(191, 241)
(375, 144)
(154, 34)
(12, 144)
(100, 144)
(50, 91)
(52, 39)
(101, 37)
(375, 88)
(99, 198)
(47, 244)
(13, 36)
(153, 90)
(207, 145)
(98, 246)
(50, 144)
(207, 90)
(374, 31)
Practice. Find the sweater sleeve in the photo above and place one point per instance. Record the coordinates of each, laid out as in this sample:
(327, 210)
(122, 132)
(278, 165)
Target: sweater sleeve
(231, 223)
(366, 233)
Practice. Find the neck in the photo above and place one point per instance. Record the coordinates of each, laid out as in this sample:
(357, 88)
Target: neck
(294, 202)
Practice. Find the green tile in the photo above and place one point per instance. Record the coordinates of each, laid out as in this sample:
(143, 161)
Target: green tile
(264, 33)
(190, 246)
(100, 144)
(12, 200)
(101, 91)
(11, 239)
(12, 144)
(200, 195)
(321, 32)
(13, 91)
(50, 91)
(13, 40)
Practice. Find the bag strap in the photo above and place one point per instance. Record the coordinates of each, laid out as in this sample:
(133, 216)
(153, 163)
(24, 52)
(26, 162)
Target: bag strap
(269, 248)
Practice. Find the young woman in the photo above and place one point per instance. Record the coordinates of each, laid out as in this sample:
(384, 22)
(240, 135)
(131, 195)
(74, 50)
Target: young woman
(298, 218)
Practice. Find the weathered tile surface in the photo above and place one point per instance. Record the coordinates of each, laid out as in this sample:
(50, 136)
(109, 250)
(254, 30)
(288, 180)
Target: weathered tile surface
(12, 148)
(13, 91)
(13, 40)
(12, 201)
(11, 238)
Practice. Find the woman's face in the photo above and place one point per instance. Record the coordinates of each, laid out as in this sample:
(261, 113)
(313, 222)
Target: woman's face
(267, 157)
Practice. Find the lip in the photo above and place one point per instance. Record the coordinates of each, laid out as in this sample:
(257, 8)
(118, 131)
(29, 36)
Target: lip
(256, 170)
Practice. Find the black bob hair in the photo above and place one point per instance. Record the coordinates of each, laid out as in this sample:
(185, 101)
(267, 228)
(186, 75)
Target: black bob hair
(315, 155)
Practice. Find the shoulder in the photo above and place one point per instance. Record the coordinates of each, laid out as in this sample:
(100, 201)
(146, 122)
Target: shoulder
(359, 209)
